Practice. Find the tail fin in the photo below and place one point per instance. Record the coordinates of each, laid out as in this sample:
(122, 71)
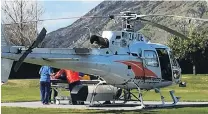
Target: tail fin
(6, 65)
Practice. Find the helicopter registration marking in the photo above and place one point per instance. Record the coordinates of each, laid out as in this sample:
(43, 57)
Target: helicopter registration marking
(149, 80)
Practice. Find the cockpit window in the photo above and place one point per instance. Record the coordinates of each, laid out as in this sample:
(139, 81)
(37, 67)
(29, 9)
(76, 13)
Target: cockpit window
(132, 36)
(124, 35)
(118, 37)
(151, 58)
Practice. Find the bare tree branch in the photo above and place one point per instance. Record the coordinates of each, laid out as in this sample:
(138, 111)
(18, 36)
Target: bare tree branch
(20, 11)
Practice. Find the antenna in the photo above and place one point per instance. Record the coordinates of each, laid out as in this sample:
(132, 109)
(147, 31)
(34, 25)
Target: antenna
(126, 17)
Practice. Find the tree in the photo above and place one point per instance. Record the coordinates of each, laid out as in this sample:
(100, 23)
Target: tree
(195, 49)
(15, 14)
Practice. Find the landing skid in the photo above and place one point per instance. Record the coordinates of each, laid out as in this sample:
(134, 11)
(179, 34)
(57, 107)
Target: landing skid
(127, 97)
(163, 104)
(133, 105)
(141, 105)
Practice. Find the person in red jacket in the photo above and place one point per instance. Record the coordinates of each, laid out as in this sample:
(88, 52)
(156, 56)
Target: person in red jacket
(72, 78)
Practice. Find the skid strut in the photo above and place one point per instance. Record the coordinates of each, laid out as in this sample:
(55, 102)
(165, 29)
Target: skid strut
(140, 97)
(157, 90)
(174, 98)
(94, 92)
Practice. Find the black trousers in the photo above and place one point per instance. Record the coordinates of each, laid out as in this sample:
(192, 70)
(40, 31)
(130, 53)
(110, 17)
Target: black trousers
(71, 86)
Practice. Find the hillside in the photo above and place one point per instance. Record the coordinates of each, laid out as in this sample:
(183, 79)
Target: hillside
(76, 35)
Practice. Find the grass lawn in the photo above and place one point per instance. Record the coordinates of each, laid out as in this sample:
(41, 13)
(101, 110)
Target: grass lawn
(20, 90)
(196, 90)
(28, 90)
(18, 110)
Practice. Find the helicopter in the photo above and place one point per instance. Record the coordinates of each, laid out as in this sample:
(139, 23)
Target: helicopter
(125, 59)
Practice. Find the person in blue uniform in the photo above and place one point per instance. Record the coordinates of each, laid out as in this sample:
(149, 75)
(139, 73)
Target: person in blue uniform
(45, 73)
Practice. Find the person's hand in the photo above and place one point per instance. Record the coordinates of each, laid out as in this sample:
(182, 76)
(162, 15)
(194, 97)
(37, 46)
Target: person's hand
(51, 77)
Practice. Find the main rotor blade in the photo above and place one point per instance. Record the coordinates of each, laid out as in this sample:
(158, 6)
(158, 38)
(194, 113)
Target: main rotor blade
(193, 18)
(39, 39)
(164, 28)
(81, 17)
(21, 60)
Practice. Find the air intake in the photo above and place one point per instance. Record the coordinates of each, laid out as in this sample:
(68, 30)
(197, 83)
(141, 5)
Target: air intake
(103, 42)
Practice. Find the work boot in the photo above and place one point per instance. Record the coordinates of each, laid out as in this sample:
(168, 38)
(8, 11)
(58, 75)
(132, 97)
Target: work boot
(81, 102)
(107, 102)
(74, 102)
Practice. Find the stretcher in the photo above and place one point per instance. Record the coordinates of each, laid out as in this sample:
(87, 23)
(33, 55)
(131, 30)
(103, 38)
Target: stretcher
(62, 87)
(90, 90)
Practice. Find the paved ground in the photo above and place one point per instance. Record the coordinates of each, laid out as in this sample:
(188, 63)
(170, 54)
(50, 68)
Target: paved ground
(128, 106)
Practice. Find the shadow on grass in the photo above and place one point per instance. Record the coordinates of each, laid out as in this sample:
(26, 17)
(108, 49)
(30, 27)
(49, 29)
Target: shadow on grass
(151, 110)
(114, 111)
(188, 106)
(144, 111)
(163, 110)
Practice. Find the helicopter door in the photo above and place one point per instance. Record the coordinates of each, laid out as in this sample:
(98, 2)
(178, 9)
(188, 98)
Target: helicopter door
(165, 64)
(151, 69)
(176, 70)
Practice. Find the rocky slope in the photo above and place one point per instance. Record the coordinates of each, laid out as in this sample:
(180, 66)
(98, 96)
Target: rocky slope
(76, 34)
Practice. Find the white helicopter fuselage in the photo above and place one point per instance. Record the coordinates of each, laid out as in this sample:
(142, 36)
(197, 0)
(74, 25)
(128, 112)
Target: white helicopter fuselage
(129, 61)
